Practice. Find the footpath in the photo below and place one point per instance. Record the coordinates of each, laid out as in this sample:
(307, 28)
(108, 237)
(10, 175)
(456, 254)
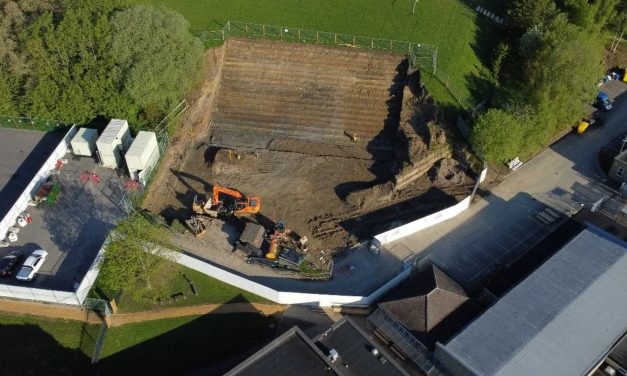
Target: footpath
(81, 314)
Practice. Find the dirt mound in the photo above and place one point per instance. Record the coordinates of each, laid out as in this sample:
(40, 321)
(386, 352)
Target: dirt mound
(447, 171)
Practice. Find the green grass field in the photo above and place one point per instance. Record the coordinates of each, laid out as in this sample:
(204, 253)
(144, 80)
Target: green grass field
(34, 345)
(210, 291)
(463, 37)
(181, 345)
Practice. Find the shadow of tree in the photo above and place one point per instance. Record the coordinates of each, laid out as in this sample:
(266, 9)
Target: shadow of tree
(29, 350)
(198, 344)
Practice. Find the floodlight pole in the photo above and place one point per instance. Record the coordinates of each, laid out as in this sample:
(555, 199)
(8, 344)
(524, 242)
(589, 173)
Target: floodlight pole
(414, 7)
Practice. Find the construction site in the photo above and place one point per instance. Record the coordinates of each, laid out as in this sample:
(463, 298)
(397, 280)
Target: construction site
(335, 145)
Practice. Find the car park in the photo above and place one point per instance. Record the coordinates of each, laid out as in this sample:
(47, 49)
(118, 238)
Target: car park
(32, 265)
(9, 262)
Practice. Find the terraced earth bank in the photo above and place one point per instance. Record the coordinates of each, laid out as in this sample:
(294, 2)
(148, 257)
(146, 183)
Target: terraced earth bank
(314, 131)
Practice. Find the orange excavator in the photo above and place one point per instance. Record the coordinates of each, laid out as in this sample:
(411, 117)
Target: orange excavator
(227, 201)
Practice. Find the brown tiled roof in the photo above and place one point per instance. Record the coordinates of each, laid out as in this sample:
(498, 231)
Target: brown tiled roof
(424, 300)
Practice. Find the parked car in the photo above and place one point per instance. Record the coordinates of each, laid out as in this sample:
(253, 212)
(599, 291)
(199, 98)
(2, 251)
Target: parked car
(603, 101)
(32, 265)
(9, 262)
(584, 124)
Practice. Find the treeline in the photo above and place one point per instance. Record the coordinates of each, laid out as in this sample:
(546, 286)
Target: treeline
(547, 68)
(74, 60)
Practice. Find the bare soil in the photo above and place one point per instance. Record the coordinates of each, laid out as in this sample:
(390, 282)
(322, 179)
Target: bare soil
(281, 128)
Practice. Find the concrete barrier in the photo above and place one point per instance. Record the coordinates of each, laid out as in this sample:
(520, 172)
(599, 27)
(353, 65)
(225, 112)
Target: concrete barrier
(285, 297)
(423, 223)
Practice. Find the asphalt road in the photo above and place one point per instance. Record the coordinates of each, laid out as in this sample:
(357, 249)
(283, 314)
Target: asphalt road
(529, 204)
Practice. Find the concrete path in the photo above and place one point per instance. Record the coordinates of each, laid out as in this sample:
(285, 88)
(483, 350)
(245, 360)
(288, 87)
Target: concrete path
(527, 205)
(76, 313)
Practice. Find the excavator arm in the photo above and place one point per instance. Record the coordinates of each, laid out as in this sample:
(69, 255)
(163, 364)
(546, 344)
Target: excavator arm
(236, 203)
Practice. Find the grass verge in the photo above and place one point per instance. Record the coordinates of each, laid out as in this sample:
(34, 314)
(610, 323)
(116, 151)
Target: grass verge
(210, 291)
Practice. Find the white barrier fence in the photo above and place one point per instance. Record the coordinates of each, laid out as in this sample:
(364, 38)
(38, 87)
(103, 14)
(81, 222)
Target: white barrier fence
(326, 300)
(57, 296)
(22, 202)
(424, 222)
(284, 297)
(41, 295)
(430, 220)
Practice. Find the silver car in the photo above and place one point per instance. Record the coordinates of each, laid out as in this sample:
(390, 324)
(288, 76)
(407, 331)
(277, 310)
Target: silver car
(31, 265)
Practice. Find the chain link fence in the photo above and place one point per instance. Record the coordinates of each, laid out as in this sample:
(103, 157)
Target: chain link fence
(422, 56)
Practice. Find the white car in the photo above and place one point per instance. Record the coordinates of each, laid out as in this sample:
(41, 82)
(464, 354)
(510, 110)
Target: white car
(31, 265)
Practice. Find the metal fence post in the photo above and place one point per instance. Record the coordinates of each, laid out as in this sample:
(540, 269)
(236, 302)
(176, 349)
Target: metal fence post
(317, 37)
(354, 40)
(299, 34)
(335, 37)
(372, 43)
(263, 28)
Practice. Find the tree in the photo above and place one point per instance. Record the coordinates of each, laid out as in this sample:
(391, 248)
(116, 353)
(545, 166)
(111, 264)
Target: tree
(157, 56)
(137, 260)
(75, 60)
(589, 15)
(497, 135)
(526, 14)
(560, 76)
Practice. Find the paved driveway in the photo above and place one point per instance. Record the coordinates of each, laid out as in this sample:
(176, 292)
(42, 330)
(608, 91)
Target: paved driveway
(524, 208)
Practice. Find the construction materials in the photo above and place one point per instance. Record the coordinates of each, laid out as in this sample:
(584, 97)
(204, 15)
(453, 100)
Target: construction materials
(227, 201)
(84, 142)
(114, 140)
(196, 225)
(142, 156)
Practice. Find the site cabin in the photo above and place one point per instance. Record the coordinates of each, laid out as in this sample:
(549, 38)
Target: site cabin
(112, 142)
(142, 156)
(84, 142)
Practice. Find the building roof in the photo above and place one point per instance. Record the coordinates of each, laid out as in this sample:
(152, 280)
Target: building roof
(561, 320)
(293, 353)
(290, 354)
(22, 154)
(619, 353)
(115, 129)
(358, 354)
(423, 301)
(143, 140)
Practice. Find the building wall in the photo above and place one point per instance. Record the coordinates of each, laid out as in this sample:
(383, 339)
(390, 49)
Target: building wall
(615, 173)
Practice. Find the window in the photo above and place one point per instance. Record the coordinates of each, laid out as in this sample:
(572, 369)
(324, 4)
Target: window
(620, 171)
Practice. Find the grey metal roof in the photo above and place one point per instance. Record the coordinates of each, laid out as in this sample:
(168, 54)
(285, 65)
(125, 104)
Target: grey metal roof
(143, 140)
(561, 320)
(114, 129)
(290, 354)
(357, 351)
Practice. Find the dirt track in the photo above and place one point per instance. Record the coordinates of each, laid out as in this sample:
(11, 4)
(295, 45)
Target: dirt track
(80, 314)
